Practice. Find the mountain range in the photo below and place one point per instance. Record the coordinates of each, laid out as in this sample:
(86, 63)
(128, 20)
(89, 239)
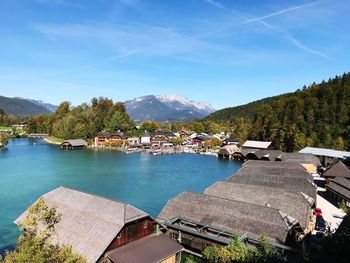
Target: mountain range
(166, 108)
(157, 108)
(22, 107)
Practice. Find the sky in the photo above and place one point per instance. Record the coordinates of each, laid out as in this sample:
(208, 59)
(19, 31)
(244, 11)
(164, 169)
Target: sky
(224, 52)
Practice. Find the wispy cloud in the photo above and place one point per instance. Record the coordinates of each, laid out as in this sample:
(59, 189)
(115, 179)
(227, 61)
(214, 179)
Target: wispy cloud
(261, 19)
(280, 12)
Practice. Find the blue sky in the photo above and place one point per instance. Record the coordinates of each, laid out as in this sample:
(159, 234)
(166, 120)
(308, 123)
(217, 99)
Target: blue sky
(224, 52)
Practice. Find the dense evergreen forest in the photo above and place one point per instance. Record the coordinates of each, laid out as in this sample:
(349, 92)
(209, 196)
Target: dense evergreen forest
(318, 115)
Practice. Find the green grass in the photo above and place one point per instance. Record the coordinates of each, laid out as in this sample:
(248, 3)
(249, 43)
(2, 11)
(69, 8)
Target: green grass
(5, 128)
(55, 139)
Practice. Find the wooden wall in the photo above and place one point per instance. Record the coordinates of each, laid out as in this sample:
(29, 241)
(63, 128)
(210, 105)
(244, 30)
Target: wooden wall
(133, 231)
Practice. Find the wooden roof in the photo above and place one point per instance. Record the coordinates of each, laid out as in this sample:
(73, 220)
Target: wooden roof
(301, 158)
(89, 223)
(228, 215)
(291, 203)
(150, 249)
(75, 142)
(341, 186)
(289, 176)
(338, 170)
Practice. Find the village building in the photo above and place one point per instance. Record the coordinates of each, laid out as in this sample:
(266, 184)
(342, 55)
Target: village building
(134, 142)
(103, 138)
(200, 139)
(198, 221)
(292, 203)
(74, 144)
(289, 176)
(338, 190)
(104, 230)
(185, 135)
(145, 139)
(257, 145)
(301, 158)
(326, 156)
(159, 137)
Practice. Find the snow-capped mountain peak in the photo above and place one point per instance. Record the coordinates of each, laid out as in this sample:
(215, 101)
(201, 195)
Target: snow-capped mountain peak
(166, 107)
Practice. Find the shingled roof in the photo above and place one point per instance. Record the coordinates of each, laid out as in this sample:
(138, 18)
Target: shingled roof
(76, 142)
(289, 176)
(89, 223)
(341, 186)
(291, 203)
(274, 168)
(301, 158)
(235, 217)
(338, 170)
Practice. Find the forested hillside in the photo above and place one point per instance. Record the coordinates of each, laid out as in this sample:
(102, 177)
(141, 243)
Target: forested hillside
(83, 121)
(318, 115)
(21, 107)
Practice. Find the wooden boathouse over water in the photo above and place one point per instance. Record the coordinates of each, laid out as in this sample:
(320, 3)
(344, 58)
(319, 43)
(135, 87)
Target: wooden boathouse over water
(74, 144)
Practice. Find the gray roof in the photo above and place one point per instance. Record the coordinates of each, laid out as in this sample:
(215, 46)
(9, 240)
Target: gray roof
(338, 170)
(150, 249)
(301, 158)
(228, 215)
(325, 152)
(341, 186)
(289, 202)
(89, 223)
(274, 168)
(270, 155)
(76, 142)
(289, 176)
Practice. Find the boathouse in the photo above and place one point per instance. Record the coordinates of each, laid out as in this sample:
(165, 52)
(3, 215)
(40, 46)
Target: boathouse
(74, 144)
(289, 176)
(292, 203)
(338, 190)
(104, 230)
(199, 221)
(337, 170)
(229, 151)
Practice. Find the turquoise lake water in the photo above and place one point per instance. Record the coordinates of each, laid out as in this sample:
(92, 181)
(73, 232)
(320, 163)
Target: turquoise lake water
(30, 168)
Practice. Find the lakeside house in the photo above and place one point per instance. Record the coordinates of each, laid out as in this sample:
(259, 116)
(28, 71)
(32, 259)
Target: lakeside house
(160, 137)
(326, 156)
(74, 144)
(106, 139)
(200, 220)
(133, 142)
(145, 139)
(108, 231)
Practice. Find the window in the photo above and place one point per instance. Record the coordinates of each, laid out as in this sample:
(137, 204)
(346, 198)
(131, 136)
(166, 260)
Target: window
(145, 224)
(120, 236)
